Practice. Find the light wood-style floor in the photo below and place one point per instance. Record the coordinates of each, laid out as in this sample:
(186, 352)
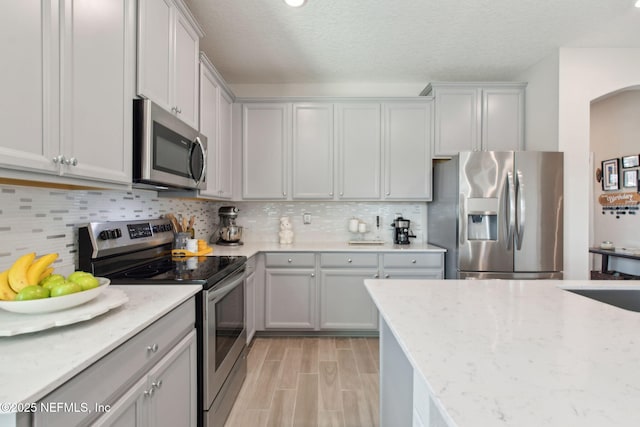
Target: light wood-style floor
(315, 382)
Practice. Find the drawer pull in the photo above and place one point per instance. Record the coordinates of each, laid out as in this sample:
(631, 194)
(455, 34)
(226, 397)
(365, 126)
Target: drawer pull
(413, 261)
(376, 276)
(349, 260)
(152, 348)
(156, 384)
(289, 260)
(313, 274)
(149, 393)
(386, 276)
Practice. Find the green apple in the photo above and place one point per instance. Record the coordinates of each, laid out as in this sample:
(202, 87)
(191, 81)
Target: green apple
(65, 289)
(52, 281)
(32, 292)
(87, 282)
(77, 274)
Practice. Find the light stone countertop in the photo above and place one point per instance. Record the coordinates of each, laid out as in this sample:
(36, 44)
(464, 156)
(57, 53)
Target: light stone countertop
(518, 353)
(250, 249)
(32, 365)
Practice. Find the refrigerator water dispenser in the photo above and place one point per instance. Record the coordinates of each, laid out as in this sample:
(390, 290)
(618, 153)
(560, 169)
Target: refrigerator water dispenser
(482, 226)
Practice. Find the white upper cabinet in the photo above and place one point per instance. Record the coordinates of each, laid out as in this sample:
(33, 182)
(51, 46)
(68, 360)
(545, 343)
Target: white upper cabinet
(312, 151)
(358, 135)
(266, 134)
(96, 129)
(71, 103)
(407, 150)
(477, 117)
(215, 124)
(168, 57)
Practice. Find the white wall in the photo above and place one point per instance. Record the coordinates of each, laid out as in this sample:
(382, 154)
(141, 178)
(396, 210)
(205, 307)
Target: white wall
(615, 132)
(328, 89)
(541, 104)
(584, 75)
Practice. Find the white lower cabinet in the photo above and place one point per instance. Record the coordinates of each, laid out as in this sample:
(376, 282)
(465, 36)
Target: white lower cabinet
(290, 298)
(150, 380)
(344, 301)
(164, 397)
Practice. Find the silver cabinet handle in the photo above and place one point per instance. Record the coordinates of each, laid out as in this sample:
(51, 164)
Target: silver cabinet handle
(149, 393)
(289, 260)
(58, 159)
(386, 276)
(376, 276)
(152, 348)
(157, 384)
(313, 274)
(174, 110)
(331, 194)
(284, 193)
(179, 110)
(341, 194)
(388, 193)
(71, 162)
(413, 261)
(349, 260)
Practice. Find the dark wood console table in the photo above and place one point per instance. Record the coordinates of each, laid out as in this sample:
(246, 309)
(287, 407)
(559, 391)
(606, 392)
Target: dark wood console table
(607, 253)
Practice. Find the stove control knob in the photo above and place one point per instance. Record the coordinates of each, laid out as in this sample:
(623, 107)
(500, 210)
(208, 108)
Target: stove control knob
(118, 233)
(104, 235)
(156, 228)
(112, 234)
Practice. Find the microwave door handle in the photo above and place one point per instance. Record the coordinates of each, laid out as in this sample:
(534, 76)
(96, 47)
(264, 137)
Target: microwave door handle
(521, 209)
(204, 160)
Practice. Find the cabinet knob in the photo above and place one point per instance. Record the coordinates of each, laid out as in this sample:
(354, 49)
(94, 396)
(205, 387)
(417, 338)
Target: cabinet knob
(152, 348)
(71, 162)
(156, 384)
(289, 260)
(284, 193)
(349, 260)
(376, 276)
(58, 159)
(179, 110)
(341, 194)
(386, 276)
(331, 194)
(313, 274)
(149, 393)
(413, 261)
(388, 193)
(174, 110)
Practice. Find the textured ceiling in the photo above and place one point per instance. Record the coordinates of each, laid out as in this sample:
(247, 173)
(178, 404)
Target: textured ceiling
(395, 41)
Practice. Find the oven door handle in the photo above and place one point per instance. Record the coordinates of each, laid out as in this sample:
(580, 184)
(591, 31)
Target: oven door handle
(234, 281)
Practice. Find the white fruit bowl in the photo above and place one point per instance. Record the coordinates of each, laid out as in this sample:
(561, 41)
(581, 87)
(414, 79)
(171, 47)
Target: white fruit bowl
(47, 305)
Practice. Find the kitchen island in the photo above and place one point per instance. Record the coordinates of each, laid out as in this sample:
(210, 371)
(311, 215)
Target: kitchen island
(506, 353)
(35, 364)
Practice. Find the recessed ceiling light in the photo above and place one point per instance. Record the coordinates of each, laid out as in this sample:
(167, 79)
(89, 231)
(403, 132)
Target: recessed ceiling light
(298, 3)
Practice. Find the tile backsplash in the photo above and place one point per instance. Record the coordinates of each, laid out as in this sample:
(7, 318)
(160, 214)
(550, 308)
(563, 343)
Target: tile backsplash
(46, 220)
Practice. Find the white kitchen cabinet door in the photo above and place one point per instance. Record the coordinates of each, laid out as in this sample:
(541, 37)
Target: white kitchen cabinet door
(128, 410)
(155, 51)
(185, 89)
(358, 135)
(174, 384)
(209, 126)
(29, 84)
(503, 119)
(96, 130)
(266, 132)
(312, 151)
(407, 150)
(225, 145)
(457, 120)
(290, 298)
(345, 303)
(168, 57)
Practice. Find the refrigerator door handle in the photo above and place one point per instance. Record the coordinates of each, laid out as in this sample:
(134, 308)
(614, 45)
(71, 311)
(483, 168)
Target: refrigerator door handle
(462, 220)
(521, 209)
(511, 209)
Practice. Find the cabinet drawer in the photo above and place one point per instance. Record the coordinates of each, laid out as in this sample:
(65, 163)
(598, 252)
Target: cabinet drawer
(290, 259)
(413, 260)
(104, 381)
(348, 259)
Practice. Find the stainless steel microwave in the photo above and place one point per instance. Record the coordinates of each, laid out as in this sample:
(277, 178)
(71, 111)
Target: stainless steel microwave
(167, 153)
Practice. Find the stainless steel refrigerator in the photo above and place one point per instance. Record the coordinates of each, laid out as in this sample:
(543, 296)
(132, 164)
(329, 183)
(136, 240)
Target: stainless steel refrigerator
(499, 214)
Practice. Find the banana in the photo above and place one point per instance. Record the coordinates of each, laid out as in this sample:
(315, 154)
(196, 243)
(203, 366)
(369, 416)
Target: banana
(18, 272)
(45, 273)
(38, 266)
(6, 293)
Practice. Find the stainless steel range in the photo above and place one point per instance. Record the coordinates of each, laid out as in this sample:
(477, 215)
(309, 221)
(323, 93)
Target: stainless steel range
(139, 252)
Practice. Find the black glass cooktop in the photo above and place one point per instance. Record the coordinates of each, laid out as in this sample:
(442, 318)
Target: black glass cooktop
(205, 270)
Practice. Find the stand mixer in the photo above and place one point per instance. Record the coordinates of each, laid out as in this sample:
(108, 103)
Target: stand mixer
(228, 233)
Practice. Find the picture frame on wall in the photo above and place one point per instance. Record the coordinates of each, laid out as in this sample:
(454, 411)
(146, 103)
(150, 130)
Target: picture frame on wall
(631, 161)
(610, 175)
(630, 178)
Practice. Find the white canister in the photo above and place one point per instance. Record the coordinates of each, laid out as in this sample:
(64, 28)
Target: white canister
(192, 245)
(362, 227)
(353, 225)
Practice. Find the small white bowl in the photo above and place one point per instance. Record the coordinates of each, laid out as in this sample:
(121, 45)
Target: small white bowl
(607, 245)
(47, 305)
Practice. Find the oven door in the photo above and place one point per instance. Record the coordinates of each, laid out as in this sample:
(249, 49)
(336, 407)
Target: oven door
(225, 335)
